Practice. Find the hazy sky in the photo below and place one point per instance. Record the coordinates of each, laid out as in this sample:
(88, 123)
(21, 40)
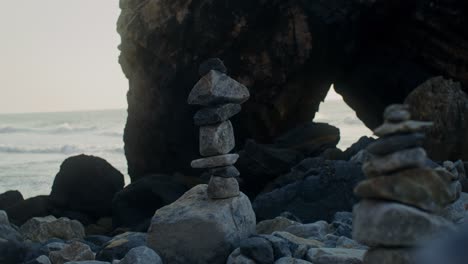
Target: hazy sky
(60, 55)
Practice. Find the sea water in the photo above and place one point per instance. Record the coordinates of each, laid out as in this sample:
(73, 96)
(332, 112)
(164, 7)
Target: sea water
(32, 146)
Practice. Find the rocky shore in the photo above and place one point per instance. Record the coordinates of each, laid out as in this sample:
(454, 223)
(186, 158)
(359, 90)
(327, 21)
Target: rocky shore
(296, 200)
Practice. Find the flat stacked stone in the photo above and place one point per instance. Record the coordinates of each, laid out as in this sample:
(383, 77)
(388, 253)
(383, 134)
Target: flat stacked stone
(402, 195)
(221, 98)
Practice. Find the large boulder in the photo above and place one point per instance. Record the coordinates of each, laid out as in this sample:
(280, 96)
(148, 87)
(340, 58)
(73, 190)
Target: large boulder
(135, 205)
(195, 229)
(22, 211)
(10, 198)
(314, 190)
(443, 102)
(86, 184)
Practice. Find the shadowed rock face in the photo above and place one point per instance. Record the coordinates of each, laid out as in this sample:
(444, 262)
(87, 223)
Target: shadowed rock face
(287, 53)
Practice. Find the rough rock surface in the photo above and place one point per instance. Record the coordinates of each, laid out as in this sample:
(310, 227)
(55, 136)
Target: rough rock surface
(217, 139)
(312, 194)
(443, 102)
(75, 251)
(130, 206)
(395, 225)
(375, 52)
(220, 227)
(86, 184)
(221, 188)
(335, 256)
(213, 115)
(41, 229)
(215, 161)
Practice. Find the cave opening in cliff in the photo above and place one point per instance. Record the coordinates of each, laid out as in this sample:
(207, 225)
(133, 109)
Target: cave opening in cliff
(334, 111)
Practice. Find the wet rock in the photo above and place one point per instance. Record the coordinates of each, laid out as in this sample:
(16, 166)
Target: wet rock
(391, 224)
(316, 194)
(41, 229)
(257, 249)
(422, 188)
(335, 256)
(10, 198)
(86, 184)
(214, 115)
(409, 126)
(120, 245)
(216, 88)
(226, 172)
(342, 224)
(277, 224)
(228, 221)
(131, 207)
(22, 211)
(216, 139)
(387, 145)
(222, 188)
(215, 161)
(390, 256)
(405, 159)
(75, 251)
(141, 255)
(211, 64)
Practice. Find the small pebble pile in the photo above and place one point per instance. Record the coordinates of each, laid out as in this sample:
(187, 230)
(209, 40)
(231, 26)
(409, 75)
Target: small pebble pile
(402, 195)
(221, 98)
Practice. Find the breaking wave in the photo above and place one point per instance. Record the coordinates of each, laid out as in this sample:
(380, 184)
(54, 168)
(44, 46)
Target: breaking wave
(64, 128)
(64, 149)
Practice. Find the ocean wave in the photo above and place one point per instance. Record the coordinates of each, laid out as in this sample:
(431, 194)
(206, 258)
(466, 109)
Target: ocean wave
(64, 149)
(64, 128)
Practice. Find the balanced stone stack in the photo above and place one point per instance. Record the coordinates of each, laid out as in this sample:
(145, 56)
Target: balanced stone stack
(402, 195)
(221, 98)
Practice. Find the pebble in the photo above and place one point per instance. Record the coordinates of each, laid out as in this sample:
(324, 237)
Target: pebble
(76, 251)
(277, 224)
(216, 139)
(422, 188)
(387, 145)
(213, 115)
(403, 127)
(222, 188)
(215, 161)
(141, 255)
(318, 230)
(397, 113)
(395, 225)
(217, 88)
(335, 256)
(405, 159)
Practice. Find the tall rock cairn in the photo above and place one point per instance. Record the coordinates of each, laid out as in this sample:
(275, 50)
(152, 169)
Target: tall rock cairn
(402, 195)
(221, 98)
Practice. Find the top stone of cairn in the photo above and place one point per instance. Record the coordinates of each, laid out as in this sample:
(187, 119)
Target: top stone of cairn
(217, 88)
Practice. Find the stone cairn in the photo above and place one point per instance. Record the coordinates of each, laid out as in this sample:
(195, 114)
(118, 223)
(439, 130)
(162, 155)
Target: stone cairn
(221, 98)
(402, 195)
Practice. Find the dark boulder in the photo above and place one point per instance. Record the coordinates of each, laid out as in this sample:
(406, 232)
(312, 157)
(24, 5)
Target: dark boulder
(21, 212)
(136, 204)
(86, 184)
(314, 190)
(443, 102)
(10, 198)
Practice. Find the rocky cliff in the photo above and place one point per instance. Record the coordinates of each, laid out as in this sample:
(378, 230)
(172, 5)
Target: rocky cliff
(287, 53)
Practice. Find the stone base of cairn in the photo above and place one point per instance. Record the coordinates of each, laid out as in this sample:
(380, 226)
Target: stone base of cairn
(402, 195)
(221, 98)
